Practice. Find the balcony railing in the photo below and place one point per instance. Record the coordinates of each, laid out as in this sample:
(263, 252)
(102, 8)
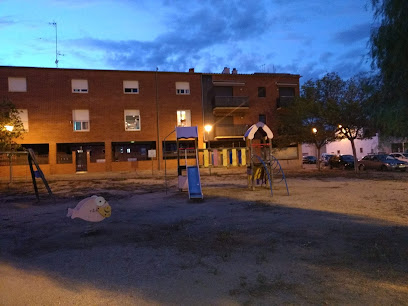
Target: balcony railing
(230, 130)
(221, 101)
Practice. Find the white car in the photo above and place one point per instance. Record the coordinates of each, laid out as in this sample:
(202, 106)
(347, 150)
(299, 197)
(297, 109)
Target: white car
(400, 156)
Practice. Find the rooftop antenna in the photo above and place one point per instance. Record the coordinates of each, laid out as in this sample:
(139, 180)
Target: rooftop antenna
(54, 24)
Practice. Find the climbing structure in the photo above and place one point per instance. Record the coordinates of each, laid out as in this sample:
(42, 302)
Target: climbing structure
(262, 163)
(191, 180)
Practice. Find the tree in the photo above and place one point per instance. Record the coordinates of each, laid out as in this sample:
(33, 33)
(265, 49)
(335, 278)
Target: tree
(329, 109)
(11, 126)
(389, 49)
(351, 111)
(305, 120)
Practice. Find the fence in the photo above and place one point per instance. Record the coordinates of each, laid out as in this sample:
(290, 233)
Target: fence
(226, 157)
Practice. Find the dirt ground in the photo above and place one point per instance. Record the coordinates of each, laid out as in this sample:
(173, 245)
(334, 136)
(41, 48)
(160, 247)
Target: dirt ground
(338, 238)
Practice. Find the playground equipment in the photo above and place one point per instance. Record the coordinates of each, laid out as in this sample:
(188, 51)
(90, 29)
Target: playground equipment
(35, 173)
(191, 180)
(265, 165)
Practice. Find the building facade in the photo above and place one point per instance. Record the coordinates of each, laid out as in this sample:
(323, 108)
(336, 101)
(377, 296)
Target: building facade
(80, 120)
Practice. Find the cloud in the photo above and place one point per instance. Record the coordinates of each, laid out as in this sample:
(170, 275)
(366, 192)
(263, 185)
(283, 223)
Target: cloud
(189, 37)
(6, 21)
(326, 56)
(232, 33)
(356, 33)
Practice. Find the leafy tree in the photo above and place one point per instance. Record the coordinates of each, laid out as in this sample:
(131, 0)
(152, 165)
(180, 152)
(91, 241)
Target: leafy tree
(329, 109)
(352, 111)
(11, 126)
(305, 120)
(389, 49)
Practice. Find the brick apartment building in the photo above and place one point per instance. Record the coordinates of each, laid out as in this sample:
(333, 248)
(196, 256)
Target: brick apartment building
(107, 120)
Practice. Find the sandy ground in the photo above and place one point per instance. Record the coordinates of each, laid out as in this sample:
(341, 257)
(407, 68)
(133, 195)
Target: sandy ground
(338, 238)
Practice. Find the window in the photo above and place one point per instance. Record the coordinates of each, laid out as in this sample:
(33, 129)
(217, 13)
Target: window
(131, 87)
(23, 114)
(79, 86)
(361, 150)
(183, 118)
(182, 88)
(261, 92)
(286, 96)
(41, 151)
(262, 118)
(80, 117)
(132, 120)
(170, 149)
(17, 84)
(132, 151)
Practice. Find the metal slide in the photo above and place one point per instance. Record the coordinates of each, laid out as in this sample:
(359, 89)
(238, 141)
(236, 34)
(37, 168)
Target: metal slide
(194, 183)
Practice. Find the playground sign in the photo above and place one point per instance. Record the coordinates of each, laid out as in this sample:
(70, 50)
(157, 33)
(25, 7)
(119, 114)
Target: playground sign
(151, 153)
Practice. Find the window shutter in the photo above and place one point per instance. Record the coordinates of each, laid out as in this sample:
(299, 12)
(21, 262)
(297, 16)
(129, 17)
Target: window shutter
(80, 115)
(17, 84)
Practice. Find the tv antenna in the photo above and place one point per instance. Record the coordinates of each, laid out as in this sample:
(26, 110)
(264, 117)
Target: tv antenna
(54, 24)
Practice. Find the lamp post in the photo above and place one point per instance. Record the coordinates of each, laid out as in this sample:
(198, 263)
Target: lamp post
(208, 128)
(314, 131)
(10, 128)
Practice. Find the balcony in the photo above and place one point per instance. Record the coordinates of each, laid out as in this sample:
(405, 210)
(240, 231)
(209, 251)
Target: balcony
(220, 101)
(230, 131)
(228, 105)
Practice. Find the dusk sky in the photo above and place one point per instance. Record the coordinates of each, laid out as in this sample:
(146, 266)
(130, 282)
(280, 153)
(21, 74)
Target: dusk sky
(306, 37)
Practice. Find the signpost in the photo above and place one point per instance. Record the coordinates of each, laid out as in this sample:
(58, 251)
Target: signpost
(151, 154)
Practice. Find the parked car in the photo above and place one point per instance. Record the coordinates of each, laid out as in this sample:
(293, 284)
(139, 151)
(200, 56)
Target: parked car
(400, 156)
(309, 159)
(341, 162)
(382, 162)
(325, 158)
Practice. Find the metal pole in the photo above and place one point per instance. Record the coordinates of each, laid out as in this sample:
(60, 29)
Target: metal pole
(270, 162)
(209, 153)
(252, 165)
(11, 168)
(158, 121)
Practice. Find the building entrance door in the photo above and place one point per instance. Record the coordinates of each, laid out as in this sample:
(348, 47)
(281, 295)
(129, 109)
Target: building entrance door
(81, 160)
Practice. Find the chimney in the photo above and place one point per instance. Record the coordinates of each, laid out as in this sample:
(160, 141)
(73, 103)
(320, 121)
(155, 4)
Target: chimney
(226, 70)
(191, 70)
(234, 71)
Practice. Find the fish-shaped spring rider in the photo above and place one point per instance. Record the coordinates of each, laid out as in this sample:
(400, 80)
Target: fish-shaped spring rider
(93, 209)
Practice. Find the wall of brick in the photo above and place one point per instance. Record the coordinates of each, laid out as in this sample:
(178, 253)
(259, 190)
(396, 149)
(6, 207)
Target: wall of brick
(50, 101)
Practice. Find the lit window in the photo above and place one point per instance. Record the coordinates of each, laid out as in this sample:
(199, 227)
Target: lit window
(131, 87)
(79, 86)
(17, 84)
(23, 114)
(80, 117)
(183, 118)
(132, 120)
(182, 88)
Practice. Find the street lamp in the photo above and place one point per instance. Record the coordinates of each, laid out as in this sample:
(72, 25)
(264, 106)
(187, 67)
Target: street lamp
(314, 130)
(10, 128)
(208, 129)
